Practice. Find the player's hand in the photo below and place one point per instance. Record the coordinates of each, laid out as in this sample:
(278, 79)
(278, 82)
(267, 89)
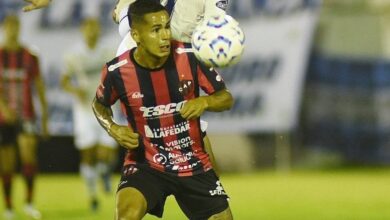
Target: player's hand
(115, 17)
(35, 4)
(124, 136)
(8, 115)
(45, 130)
(194, 108)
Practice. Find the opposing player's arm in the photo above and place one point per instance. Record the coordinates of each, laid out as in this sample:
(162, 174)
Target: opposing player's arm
(35, 4)
(66, 83)
(215, 7)
(219, 101)
(68, 86)
(122, 134)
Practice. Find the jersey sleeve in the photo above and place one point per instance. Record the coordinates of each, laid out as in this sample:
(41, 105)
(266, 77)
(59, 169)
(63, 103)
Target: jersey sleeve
(209, 79)
(106, 93)
(215, 7)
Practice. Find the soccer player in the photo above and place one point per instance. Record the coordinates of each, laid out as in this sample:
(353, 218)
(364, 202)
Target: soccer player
(184, 17)
(7, 153)
(19, 73)
(96, 147)
(159, 92)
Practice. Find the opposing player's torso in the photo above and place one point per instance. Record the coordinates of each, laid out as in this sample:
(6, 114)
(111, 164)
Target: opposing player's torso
(186, 15)
(85, 66)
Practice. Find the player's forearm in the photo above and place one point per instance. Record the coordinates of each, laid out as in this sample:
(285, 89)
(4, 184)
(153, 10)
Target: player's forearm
(40, 85)
(103, 115)
(209, 150)
(219, 101)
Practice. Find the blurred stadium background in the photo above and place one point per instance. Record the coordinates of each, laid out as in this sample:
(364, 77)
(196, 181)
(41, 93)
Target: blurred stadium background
(309, 135)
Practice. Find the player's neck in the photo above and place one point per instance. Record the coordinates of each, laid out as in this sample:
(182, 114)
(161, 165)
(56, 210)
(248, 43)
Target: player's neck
(148, 61)
(92, 45)
(11, 45)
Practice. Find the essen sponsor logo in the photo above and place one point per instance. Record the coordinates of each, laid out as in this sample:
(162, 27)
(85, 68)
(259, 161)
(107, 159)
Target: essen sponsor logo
(161, 110)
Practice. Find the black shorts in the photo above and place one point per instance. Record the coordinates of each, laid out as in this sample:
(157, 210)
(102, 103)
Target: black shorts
(8, 134)
(199, 196)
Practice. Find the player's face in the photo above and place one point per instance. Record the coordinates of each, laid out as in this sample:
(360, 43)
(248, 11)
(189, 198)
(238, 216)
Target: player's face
(11, 28)
(91, 32)
(155, 34)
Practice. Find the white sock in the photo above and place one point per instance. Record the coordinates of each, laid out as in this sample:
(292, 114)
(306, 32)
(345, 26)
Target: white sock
(103, 168)
(90, 176)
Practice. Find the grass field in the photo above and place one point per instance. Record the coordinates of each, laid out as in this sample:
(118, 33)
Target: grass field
(341, 194)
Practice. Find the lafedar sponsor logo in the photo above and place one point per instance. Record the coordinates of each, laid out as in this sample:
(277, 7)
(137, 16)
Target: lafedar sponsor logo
(158, 133)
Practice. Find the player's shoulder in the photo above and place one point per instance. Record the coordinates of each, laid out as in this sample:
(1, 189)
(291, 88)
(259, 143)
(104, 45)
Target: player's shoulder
(31, 50)
(119, 61)
(175, 44)
(183, 50)
(180, 48)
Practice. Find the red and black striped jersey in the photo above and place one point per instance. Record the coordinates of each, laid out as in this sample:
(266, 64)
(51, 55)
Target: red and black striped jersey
(151, 100)
(18, 69)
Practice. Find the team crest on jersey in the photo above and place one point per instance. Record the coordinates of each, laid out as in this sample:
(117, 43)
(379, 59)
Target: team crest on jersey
(186, 87)
(222, 4)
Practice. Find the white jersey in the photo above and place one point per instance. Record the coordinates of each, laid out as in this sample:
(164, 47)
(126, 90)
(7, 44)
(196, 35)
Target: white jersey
(185, 16)
(84, 66)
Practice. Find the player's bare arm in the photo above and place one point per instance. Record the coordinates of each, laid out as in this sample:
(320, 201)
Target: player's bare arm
(40, 86)
(68, 86)
(122, 134)
(217, 102)
(35, 4)
(209, 150)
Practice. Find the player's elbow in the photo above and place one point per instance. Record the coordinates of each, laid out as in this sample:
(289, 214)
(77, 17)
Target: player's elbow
(95, 106)
(229, 101)
(226, 100)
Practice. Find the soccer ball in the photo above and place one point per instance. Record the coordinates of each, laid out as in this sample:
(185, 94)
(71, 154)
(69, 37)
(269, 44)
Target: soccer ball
(218, 41)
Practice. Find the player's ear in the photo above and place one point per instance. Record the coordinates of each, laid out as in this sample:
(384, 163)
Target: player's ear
(135, 35)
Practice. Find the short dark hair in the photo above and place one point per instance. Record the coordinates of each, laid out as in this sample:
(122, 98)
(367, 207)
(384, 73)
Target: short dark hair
(139, 8)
